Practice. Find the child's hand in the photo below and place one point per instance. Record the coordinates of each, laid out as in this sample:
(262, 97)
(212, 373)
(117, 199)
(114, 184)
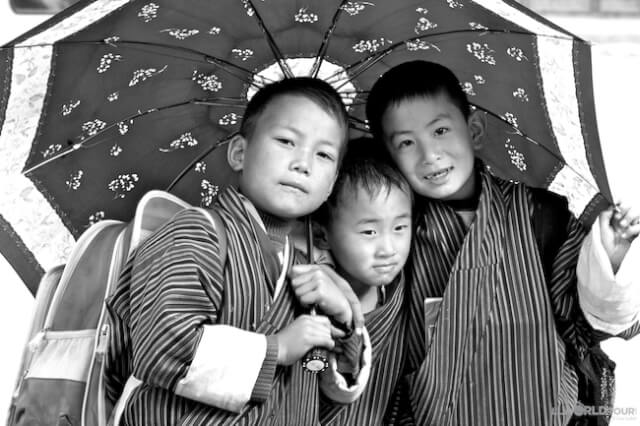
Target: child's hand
(618, 228)
(303, 334)
(318, 285)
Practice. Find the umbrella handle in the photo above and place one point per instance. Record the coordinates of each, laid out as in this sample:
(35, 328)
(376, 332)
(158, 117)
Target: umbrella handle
(316, 360)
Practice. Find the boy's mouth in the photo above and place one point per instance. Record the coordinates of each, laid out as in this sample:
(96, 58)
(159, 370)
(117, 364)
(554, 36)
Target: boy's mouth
(439, 174)
(294, 186)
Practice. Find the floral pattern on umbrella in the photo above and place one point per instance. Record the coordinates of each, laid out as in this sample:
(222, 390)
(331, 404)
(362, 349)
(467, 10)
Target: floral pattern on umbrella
(112, 98)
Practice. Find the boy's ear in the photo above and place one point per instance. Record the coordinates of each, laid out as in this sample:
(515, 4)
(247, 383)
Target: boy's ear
(320, 238)
(235, 152)
(477, 124)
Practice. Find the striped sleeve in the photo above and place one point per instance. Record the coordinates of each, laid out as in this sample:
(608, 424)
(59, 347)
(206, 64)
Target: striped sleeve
(176, 342)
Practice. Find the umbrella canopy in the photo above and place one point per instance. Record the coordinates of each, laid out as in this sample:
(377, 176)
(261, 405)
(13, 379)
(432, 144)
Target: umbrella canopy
(112, 98)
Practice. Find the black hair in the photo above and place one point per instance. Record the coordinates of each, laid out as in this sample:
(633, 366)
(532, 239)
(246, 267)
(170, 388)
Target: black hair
(318, 91)
(365, 165)
(411, 80)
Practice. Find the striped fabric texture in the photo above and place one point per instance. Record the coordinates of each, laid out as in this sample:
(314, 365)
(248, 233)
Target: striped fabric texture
(173, 286)
(386, 326)
(497, 354)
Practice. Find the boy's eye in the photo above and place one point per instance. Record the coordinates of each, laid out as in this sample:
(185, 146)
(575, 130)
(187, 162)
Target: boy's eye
(368, 232)
(326, 156)
(285, 141)
(405, 143)
(441, 131)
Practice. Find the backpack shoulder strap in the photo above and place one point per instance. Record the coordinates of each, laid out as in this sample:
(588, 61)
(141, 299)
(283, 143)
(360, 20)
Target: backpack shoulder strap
(218, 225)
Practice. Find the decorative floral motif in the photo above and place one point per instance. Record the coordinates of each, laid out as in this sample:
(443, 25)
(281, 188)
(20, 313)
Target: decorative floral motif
(468, 88)
(91, 128)
(517, 54)
(517, 158)
(70, 106)
(96, 217)
(242, 54)
(355, 7)
(482, 52)
(74, 181)
(412, 46)
(180, 33)
(123, 126)
(479, 79)
(183, 141)
(371, 46)
(454, 4)
(112, 40)
(208, 82)
(214, 31)
(229, 119)
(477, 27)
(111, 97)
(115, 150)
(149, 12)
(511, 119)
(143, 74)
(248, 8)
(305, 17)
(520, 94)
(201, 167)
(51, 150)
(122, 184)
(423, 24)
(106, 60)
(208, 193)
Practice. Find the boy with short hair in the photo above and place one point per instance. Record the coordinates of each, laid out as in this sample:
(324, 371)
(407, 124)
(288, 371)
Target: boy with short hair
(510, 344)
(366, 225)
(215, 343)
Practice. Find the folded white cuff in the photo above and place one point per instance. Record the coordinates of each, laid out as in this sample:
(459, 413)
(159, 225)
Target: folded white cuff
(334, 385)
(610, 302)
(225, 367)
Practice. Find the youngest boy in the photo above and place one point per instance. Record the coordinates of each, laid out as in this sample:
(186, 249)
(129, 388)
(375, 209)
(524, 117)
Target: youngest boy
(366, 224)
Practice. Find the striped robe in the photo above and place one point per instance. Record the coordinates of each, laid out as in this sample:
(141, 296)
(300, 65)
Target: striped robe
(497, 353)
(173, 286)
(386, 326)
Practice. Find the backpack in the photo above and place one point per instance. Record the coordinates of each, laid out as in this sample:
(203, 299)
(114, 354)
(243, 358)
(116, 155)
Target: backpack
(61, 374)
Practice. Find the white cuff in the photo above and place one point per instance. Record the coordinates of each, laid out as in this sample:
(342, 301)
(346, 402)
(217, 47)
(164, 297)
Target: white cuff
(611, 303)
(334, 385)
(225, 367)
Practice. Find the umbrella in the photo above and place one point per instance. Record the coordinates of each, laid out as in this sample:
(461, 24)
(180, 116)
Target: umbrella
(111, 98)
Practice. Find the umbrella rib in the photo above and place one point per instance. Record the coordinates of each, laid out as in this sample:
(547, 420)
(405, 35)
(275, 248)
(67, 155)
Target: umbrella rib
(280, 58)
(229, 67)
(538, 144)
(193, 162)
(322, 51)
(376, 56)
(82, 144)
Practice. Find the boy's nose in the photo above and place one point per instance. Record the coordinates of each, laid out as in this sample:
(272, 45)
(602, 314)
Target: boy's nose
(301, 165)
(386, 247)
(431, 152)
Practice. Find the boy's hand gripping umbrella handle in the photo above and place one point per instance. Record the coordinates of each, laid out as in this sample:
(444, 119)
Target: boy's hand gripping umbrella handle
(316, 360)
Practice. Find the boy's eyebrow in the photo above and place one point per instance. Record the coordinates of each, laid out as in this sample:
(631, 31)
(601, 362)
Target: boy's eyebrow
(366, 221)
(432, 122)
(299, 133)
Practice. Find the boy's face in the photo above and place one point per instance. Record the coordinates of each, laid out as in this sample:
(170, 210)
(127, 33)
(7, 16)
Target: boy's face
(369, 236)
(432, 144)
(289, 164)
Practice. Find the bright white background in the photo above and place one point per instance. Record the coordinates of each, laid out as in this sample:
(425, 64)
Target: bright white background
(616, 57)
